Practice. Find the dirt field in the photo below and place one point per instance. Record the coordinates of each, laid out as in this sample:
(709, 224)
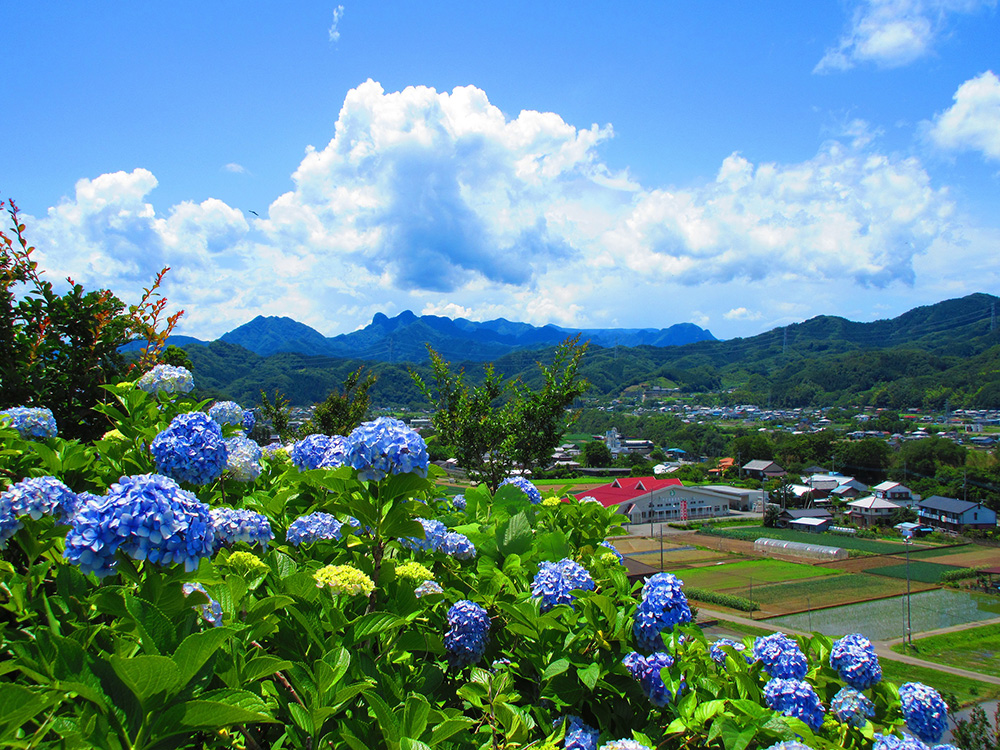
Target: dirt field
(979, 557)
(797, 596)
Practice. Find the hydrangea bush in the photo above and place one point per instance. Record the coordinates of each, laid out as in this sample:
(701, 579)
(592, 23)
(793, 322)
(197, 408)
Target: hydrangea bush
(331, 601)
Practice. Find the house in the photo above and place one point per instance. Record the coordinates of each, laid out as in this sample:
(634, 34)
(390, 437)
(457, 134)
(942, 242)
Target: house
(789, 517)
(725, 464)
(871, 510)
(763, 469)
(738, 497)
(812, 525)
(949, 514)
(654, 499)
(896, 492)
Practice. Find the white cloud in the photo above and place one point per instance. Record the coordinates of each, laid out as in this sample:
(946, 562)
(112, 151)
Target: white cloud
(741, 313)
(334, 32)
(973, 121)
(893, 33)
(236, 168)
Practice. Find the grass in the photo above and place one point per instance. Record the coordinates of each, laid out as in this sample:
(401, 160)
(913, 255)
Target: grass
(941, 552)
(731, 575)
(752, 533)
(920, 570)
(966, 690)
(977, 649)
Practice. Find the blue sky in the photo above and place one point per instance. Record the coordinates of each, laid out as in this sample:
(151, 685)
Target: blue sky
(737, 165)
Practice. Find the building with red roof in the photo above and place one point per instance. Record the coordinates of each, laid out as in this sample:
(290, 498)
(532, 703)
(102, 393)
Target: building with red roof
(652, 499)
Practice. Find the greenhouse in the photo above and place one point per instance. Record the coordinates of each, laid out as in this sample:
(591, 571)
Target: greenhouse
(799, 549)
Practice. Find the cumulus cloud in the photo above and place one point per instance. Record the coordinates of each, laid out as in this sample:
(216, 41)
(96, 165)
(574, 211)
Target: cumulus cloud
(741, 313)
(236, 168)
(439, 202)
(893, 33)
(972, 123)
(334, 31)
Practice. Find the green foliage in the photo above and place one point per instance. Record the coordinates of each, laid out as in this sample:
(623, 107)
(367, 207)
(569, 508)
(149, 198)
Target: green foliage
(951, 576)
(596, 454)
(726, 600)
(345, 408)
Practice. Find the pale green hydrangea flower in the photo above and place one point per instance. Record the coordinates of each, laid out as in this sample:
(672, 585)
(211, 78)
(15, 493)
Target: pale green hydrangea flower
(414, 571)
(343, 579)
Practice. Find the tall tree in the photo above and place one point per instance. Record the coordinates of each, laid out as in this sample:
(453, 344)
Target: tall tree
(502, 424)
(345, 408)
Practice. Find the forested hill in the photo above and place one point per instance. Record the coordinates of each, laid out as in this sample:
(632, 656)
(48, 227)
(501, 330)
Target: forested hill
(944, 352)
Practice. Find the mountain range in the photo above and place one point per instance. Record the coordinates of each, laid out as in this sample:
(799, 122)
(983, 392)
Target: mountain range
(405, 337)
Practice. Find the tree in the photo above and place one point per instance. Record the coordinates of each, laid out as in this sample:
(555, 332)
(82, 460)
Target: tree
(346, 408)
(174, 355)
(596, 454)
(921, 458)
(501, 424)
(867, 459)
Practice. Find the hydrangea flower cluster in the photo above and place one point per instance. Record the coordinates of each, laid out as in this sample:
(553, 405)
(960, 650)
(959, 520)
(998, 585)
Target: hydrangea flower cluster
(624, 745)
(211, 612)
(906, 742)
(166, 379)
(191, 449)
(781, 656)
(149, 517)
(428, 587)
(343, 579)
(458, 546)
(37, 497)
(249, 421)
(555, 582)
(534, 496)
(579, 736)
(663, 606)
(852, 707)
(434, 532)
(32, 423)
(925, 712)
(719, 656)
(386, 446)
(853, 656)
(646, 671)
(243, 459)
(312, 528)
(589, 499)
(309, 452)
(335, 454)
(9, 523)
(240, 525)
(247, 563)
(796, 698)
(414, 571)
(468, 628)
(226, 412)
(613, 551)
(789, 745)
(459, 502)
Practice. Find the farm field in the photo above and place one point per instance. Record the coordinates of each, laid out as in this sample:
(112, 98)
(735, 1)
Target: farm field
(919, 570)
(977, 649)
(782, 598)
(923, 554)
(738, 574)
(751, 533)
(975, 557)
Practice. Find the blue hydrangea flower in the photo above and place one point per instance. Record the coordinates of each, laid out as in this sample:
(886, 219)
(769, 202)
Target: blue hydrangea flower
(790, 745)
(9, 523)
(227, 412)
(191, 449)
(925, 712)
(335, 454)
(589, 499)
(468, 629)
(459, 502)
(618, 555)
(149, 517)
(852, 707)
(458, 546)
(719, 656)
(624, 745)
(243, 457)
(646, 671)
(211, 612)
(853, 656)
(663, 606)
(579, 736)
(308, 452)
(166, 379)
(312, 528)
(31, 422)
(555, 582)
(428, 587)
(781, 656)
(534, 496)
(249, 420)
(794, 698)
(434, 532)
(386, 446)
(42, 496)
(892, 742)
(240, 525)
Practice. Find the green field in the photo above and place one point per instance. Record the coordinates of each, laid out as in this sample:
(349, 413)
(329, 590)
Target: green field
(928, 572)
(752, 533)
(822, 592)
(731, 575)
(941, 551)
(977, 649)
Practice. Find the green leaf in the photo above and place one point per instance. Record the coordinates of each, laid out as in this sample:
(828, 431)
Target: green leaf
(515, 536)
(19, 705)
(157, 633)
(448, 728)
(555, 668)
(708, 709)
(407, 743)
(263, 666)
(146, 676)
(376, 622)
(267, 606)
(303, 720)
(387, 720)
(589, 675)
(197, 649)
(207, 714)
(415, 714)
